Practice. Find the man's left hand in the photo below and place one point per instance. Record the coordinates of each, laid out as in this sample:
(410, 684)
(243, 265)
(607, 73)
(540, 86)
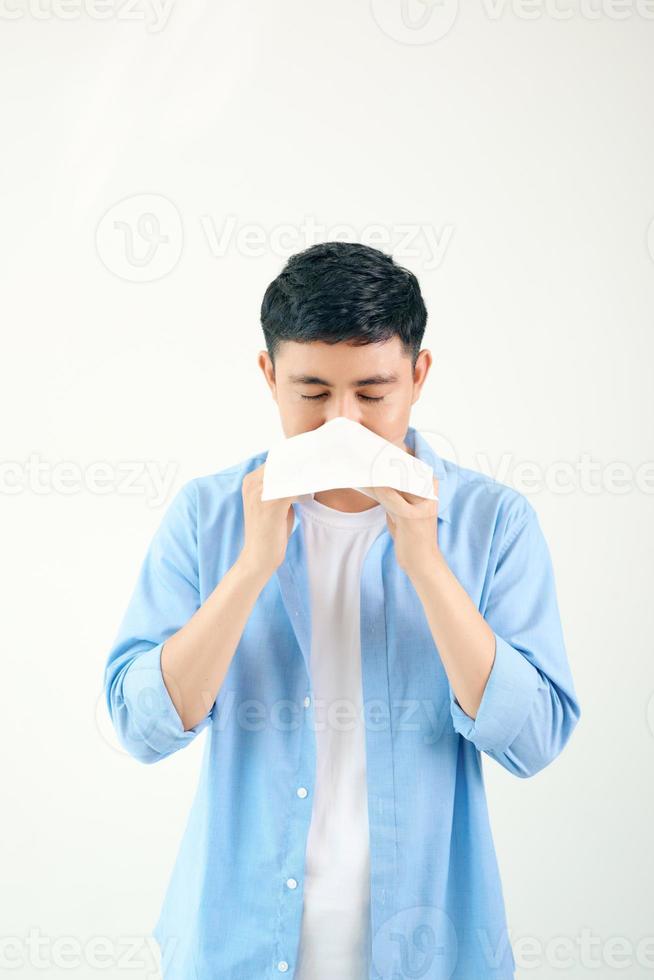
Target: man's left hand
(413, 525)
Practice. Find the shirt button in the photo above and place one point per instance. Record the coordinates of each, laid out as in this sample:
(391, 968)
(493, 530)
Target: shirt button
(291, 883)
(307, 701)
(302, 791)
(282, 966)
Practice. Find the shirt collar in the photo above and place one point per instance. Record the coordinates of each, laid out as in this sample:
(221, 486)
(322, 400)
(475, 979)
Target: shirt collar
(424, 451)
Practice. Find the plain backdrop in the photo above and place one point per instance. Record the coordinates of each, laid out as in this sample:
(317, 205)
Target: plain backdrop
(158, 166)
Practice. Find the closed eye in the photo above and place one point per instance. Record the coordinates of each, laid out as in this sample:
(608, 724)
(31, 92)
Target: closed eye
(365, 398)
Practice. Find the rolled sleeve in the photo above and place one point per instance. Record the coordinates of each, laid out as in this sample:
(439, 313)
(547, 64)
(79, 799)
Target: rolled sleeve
(148, 707)
(529, 706)
(506, 701)
(165, 597)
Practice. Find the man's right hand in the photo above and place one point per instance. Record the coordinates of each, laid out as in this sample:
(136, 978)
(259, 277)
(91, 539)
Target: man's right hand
(196, 658)
(268, 525)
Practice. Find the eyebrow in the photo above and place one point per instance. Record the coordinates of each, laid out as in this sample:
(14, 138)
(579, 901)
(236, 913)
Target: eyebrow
(312, 379)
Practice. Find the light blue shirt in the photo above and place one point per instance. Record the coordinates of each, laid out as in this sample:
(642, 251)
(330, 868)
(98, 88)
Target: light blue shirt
(234, 901)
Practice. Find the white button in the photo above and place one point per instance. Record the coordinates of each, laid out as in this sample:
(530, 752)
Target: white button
(291, 882)
(282, 966)
(302, 792)
(307, 701)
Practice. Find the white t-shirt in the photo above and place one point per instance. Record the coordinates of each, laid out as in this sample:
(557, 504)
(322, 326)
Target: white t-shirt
(334, 938)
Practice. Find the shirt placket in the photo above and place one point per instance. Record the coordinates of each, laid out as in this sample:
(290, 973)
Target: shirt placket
(293, 580)
(380, 762)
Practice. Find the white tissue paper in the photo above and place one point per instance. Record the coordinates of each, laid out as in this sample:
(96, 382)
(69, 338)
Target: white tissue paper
(342, 453)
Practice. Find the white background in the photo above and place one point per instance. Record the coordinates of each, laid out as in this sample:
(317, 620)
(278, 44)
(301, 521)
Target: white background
(516, 138)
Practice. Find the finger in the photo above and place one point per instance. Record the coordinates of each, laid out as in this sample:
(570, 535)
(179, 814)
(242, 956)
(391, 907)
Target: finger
(392, 500)
(391, 495)
(412, 498)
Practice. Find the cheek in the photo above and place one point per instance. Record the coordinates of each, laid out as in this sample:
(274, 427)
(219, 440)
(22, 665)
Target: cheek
(395, 422)
(297, 415)
(396, 418)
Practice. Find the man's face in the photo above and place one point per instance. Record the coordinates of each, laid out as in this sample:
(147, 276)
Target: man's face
(372, 385)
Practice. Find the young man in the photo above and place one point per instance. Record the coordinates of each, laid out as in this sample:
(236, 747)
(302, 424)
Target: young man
(352, 661)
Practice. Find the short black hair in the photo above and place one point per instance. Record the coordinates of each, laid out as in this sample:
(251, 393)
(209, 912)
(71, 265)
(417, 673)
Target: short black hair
(343, 291)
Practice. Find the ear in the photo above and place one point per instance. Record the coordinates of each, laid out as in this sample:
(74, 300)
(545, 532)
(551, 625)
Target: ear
(268, 371)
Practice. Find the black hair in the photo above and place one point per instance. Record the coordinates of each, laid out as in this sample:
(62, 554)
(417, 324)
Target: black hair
(343, 291)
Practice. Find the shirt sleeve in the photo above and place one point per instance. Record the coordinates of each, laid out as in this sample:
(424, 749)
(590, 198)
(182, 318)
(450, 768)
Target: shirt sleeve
(165, 597)
(529, 707)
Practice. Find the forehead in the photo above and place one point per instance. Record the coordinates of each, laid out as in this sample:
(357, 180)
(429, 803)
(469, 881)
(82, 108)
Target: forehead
(341, 361)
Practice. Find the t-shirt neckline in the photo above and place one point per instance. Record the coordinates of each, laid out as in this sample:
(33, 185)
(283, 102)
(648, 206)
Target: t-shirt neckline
(339, 518)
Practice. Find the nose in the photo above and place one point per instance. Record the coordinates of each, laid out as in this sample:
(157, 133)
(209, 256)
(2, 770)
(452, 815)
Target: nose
(343, 407)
